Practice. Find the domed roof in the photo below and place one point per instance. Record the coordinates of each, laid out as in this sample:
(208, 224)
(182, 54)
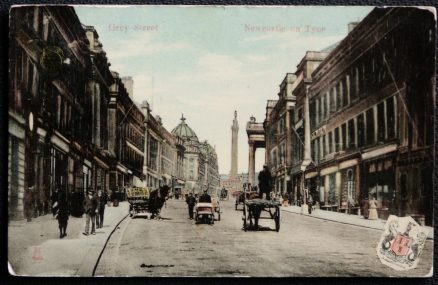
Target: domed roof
(206, 148)
(184, 131)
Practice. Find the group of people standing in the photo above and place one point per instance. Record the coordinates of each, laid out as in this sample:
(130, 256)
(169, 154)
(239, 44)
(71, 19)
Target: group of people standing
(94, 209)
(368, 207)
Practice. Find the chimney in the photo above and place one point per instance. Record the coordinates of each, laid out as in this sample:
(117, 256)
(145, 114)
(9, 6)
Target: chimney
(351, 26)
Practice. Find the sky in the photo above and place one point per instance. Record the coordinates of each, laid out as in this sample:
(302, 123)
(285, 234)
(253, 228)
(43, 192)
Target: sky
(206, 62)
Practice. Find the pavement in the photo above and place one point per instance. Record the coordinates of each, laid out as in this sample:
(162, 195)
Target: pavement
(343, 218)
(35, 249)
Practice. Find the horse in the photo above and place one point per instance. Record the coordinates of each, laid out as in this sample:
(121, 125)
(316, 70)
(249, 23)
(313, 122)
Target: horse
(157, 198)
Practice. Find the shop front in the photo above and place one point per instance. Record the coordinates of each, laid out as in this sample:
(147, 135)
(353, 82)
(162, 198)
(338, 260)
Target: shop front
(378, 181)
(296, 193)
(349, 186)
(312, 183)
(414, 183)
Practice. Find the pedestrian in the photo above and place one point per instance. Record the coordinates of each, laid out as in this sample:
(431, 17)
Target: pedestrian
(205, 198)
(373, 209)
(90, 210)
(364, 207)
(191, 202)
(265, 182)
(310, 204)
(102, 200)
(28, 203)
(98, 208)
(286, 199)
(63, 212)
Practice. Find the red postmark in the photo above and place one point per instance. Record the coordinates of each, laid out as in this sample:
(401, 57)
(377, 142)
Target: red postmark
(37, 256)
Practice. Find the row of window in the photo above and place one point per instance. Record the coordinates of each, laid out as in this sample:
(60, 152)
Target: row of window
(153, 153)
(377, 124)
(278, 156)
(370, 73)
(133, 135)
(133, 158)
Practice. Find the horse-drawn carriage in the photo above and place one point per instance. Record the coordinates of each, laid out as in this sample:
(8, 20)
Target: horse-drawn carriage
(138, 199)
(253, 209)
(141, 200)
(241, 196)
(224, 194)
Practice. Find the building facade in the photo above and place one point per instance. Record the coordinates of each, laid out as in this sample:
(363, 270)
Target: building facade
(200, 161)
(372, 129)
(211, 174)
(168, 157)
(154, 152)
(362, 123)
(301, 155)
(98, 88)
(126, 139)
(49, 125)
(278, 135)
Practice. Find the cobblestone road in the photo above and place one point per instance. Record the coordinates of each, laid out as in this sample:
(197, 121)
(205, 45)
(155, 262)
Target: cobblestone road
(304, 246)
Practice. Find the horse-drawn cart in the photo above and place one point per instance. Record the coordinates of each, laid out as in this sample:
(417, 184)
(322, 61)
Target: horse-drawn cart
(224, 195)
(138, 199)
(253, 210)
(241, 196)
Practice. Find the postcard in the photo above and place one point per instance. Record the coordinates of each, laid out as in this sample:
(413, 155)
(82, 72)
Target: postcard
(221, 141)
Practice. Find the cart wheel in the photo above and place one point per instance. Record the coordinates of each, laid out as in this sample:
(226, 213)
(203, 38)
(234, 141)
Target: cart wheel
(219, 216)
(277, 220)
(236, 206)
(196, 217)
(212, 219)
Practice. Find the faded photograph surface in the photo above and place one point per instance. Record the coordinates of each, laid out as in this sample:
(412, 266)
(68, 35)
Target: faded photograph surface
(221, 141)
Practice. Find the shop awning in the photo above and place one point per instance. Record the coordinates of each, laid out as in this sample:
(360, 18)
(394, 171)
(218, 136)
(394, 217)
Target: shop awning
(379, 151)
(62, 143)
(122, 168)
(348, 163)
(328, 170)
(101, 163)
(311, 174)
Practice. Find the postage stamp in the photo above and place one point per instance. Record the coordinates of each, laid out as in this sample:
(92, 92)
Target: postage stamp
(401, 243)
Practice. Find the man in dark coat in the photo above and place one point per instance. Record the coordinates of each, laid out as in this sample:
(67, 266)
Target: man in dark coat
(364, 207)
(265, 180)
(309, 203)
(102, 200)
(191, 202)
(63, 212)
(90, 209)
(28, 203)
(205, 198)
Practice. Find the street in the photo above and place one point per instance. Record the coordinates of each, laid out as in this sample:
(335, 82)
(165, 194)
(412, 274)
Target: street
(305, 246)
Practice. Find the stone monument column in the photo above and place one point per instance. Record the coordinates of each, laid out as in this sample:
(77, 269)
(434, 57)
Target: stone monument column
(234, 148)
